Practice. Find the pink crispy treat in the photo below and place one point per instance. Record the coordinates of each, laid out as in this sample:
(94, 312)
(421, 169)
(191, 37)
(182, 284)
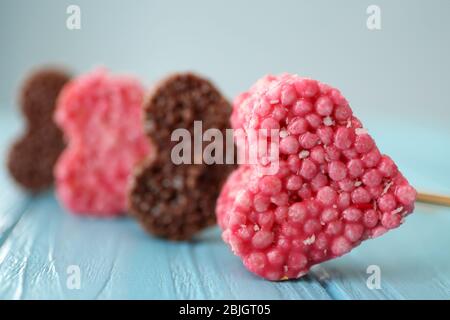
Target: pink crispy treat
(333, 188)
(100, 115)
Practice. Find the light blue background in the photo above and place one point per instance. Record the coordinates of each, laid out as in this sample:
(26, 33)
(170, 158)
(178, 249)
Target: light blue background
(402, 70)
(396, 79)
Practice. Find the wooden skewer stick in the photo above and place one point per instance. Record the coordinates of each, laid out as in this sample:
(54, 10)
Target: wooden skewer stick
(433, 198)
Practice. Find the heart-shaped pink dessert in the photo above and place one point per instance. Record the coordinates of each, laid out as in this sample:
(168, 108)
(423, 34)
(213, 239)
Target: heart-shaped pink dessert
(333, 188)
(100, 115)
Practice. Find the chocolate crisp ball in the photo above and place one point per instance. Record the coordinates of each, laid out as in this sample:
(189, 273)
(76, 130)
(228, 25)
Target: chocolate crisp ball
(33, 156)
(177, 201)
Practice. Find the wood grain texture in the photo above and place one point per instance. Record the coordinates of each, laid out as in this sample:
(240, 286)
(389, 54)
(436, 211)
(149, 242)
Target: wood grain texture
(39, 240)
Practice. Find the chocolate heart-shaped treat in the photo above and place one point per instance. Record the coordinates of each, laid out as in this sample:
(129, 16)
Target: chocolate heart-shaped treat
(332, 188)
(33, 156)
(171, 199)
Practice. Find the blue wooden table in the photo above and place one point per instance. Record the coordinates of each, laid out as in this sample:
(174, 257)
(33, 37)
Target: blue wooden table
(40, 244)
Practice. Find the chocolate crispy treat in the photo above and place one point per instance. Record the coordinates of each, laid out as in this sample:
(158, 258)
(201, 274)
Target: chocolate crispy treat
(176, 201)
(32, 157)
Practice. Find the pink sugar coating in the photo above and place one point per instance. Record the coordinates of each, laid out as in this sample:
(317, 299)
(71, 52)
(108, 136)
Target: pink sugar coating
(101, 117)
(333, 189)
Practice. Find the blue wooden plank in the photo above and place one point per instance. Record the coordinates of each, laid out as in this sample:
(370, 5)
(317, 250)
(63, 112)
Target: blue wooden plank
(39, 241)
(117, 260)
(12, 200)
